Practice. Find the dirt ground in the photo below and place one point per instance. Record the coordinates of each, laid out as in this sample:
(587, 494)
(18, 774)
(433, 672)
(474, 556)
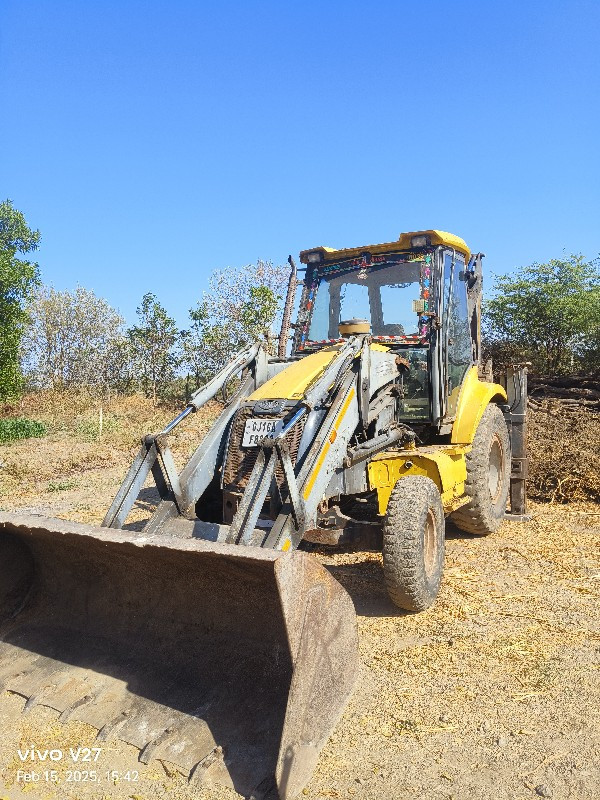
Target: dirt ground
(492, 693)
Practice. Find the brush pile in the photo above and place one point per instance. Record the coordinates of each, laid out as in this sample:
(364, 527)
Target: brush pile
(575, 393)
(564, 439)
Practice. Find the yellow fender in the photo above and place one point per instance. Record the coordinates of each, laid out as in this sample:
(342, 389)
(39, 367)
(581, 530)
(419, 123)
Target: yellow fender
(474, 398)
(444, 464)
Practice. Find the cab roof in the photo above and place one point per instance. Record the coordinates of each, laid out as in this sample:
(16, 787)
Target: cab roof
(403, 243)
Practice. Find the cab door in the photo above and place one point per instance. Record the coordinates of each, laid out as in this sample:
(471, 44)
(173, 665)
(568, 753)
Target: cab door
(456, 340)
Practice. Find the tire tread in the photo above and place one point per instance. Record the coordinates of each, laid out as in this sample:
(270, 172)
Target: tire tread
(479, 516)
(407, 509)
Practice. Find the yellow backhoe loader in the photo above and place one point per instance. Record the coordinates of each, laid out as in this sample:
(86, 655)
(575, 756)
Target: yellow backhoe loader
(212, 639)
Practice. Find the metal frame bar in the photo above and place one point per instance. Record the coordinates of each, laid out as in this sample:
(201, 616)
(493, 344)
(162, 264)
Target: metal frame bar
(281, 529)
(290, 478)
(132, 485)
(261, 479)
(516, 418)
(246, 516)
(364, 379)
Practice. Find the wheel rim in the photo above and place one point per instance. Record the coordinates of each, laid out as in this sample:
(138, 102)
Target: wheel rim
(496, 469)
(430, 544)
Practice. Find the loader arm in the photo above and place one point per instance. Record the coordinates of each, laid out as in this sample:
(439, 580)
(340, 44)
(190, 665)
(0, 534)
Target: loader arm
(326, 404)
(303, 486)
(154, 455)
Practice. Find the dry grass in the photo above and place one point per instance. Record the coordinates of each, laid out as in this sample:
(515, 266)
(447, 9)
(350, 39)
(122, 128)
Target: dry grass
(77, 443)
(564, 448)
(486, 693)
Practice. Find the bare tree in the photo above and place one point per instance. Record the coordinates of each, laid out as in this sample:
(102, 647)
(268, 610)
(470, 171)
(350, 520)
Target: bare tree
(74, 339)
(241, 305)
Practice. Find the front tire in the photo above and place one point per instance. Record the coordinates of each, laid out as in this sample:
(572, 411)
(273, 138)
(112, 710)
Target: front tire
(488, 476)
(413, 543)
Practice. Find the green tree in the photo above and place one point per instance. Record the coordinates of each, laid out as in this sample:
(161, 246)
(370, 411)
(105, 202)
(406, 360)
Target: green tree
(18, 279)
(241, 306)
(547, 314)
(153, 342)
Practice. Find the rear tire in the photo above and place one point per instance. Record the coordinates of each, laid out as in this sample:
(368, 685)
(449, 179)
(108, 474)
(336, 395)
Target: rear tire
(488, 476)
(413, 543)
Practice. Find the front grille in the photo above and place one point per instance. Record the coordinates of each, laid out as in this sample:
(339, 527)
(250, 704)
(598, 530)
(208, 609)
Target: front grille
(241, 460)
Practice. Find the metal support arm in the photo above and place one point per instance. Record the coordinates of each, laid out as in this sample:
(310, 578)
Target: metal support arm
(516, 418)
(155, 456)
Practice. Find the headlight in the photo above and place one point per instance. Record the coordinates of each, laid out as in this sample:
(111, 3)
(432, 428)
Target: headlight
(419, 241)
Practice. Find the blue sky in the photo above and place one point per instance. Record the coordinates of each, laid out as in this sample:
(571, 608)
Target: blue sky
(154, 142)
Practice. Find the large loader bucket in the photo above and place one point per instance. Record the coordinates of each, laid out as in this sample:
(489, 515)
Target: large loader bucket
(233, 663)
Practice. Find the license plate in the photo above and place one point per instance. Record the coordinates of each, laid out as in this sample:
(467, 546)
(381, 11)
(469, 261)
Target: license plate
(256, 429)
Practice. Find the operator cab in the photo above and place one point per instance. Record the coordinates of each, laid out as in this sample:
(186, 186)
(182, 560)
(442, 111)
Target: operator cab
(413, 297)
